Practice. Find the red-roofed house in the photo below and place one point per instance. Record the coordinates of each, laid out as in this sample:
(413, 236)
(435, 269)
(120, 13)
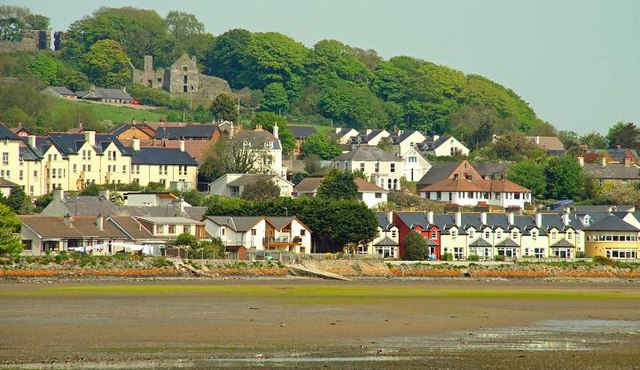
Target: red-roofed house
(465, 186)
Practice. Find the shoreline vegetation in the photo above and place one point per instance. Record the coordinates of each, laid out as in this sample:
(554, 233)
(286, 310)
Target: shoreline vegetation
(124, 266)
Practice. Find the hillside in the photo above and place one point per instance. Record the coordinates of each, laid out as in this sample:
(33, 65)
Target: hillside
(329, 83)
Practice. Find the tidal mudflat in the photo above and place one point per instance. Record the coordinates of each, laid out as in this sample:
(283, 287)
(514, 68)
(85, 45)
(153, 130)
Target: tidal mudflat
(293, 323)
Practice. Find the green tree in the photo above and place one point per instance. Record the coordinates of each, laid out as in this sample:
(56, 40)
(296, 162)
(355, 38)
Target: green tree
(187, 240)
(262, 189)
(140, 32)
(321, 146)
(570, 139)
(10, 245)
(154, 187)
(14, 20)
(530, 173)
(267, 120)
(91, 190)
(564, 177)
(19, 201)
(45, 68)
(227, 57)
(106, 64)
(275, 98)
(625, 135)
(594, 140)
(187, 35)
(351, 104)
(312, 164)
(333, 59)
(224, 108)
(241, 153)
(415, 247)
(338, 185)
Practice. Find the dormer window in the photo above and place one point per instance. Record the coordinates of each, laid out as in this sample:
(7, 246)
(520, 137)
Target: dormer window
(534, 234)
(268, 145)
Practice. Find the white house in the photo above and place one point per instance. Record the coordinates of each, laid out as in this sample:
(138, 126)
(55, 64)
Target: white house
(415, 166)
(442, 146)
(403, 140)
(380, 167)
(344, 135)
(387, 241)
(233, 184)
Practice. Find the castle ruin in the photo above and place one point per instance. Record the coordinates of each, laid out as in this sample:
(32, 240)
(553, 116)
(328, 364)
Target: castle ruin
(181, 78)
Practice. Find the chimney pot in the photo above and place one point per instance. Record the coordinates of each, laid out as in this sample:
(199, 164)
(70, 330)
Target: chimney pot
(430, 217)
(135, 144)
(100, 222)
(181, 145)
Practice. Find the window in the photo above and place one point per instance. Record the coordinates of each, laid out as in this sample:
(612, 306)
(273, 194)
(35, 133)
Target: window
(163, 182)
(377, 167)
(184, 68)
(534, 234)
(514, 235)
(111, 155)
(182, 170)
(392, 167)
(569, 235)
(303, 232)
(185, 89)
(124, 169)
(75, 168)
(31, 190)
(172, 229)
(471, 234)
(21, 175)
(434, 235)
(412, 159)
(454, 233)
(499, 234)
(159, 229)
(362, 166)
(457, 253)
(538, 252)
(35, 173)
(222, 231)
(487, 234)
(254, 232)
(186, 229)
(5, 158)
(393, 233)
(378, 195)
(49, 157)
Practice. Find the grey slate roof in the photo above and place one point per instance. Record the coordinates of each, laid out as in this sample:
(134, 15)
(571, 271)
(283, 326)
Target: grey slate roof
(5, 133)
(412, 219)
(437, 172)
(491, 169)
(280, 222)
(258, 138)
(612, 171)
(250, 178)
(162, 156)
(611, 223)
(4, 183)
(302, 132)
(117, 130)
(368, 154)
(479, 243)
(236, 223)
(386, 241)
(383, 220)
(100, 93)
(62, 90)
(396, 139)
(191, 131)
(562, 243)
(69, 143)
(507, 243)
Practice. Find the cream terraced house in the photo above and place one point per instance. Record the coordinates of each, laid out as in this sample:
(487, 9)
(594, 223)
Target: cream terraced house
(380, 167)
(70, 161)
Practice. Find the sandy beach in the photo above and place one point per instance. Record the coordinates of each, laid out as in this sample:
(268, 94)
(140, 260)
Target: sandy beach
(298, 322)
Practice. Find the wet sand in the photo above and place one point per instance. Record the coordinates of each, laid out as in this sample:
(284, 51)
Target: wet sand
(292, 323)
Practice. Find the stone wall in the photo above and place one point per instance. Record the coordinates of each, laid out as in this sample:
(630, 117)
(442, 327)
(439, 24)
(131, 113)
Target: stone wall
(32, 40)
(184, 76)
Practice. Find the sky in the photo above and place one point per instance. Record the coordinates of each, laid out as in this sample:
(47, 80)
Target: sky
(576, 62)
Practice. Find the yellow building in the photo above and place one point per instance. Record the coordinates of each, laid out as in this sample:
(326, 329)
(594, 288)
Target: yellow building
(613, 238)
(172, 167)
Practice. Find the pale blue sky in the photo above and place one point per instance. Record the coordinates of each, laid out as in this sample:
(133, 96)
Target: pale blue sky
(577, 62)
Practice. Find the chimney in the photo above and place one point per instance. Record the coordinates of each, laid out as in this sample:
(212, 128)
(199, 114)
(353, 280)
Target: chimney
(581, 161)
(148, 63)
(100, 222)
(436, 137)
(512, 218)
(90, 137)
(68, 220)
(135, 144)
(337, 129)
(539, 220)
(537, 140)
(31, 140)
(483, 218)
(430, 217)
(181, 145)
(627, 162)
(59, 194)
(275, 130)
(367, 131)
(618, 146)
(458, 218)
(604, 161)
(565, 219)
(390, 217)
(106, 194)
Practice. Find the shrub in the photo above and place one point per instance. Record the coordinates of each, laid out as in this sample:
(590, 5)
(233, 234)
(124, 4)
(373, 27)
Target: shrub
(473, 257)
(447, 257)
(61, 257)
(498, 258)
(600, 260)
